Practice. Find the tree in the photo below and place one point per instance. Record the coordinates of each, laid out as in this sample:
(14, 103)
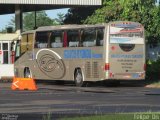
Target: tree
(110, 11)
(78, 15)
(41, 20)
(60, 19)
(143, 11)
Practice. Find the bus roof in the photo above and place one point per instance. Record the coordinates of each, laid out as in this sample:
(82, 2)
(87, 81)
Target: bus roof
(76, 26)
(63, 27)
(28, 32)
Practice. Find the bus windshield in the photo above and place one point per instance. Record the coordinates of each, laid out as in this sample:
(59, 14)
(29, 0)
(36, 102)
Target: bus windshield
(126, 33)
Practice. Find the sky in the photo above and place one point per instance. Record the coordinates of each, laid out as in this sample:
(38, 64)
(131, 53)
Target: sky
(5, 19)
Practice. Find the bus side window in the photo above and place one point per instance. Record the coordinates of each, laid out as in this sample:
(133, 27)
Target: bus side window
(100, 35)
(89, 37)
(30, 41)
(23, 43)
(73, 38)
(42, 39)
(56, 39)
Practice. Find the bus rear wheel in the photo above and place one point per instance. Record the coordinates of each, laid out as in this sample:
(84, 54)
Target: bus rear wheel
(27, 73)
(78, 78)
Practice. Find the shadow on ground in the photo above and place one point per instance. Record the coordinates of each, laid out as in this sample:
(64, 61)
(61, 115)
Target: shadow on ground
(122, 83)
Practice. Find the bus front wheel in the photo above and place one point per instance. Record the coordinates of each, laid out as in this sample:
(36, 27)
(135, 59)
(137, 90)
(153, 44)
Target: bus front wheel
(78, 78)
(27, 73)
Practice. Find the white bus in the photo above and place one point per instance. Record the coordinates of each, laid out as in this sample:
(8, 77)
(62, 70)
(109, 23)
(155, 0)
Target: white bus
(83, 53)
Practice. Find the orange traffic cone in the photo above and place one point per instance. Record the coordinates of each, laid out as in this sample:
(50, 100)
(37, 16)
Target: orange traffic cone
(23, 84)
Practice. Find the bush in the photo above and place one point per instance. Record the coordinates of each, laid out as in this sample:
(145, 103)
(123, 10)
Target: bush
(153, 70)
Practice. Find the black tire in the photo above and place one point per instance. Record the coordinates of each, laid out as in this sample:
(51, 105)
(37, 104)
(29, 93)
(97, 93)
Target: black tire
(27, 73)
(78, 78)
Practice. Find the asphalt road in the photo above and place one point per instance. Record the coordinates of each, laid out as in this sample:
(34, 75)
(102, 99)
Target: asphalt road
(59, 101)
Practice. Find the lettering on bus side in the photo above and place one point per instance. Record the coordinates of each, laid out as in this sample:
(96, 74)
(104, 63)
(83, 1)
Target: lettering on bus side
(126, 56)
(84, 53)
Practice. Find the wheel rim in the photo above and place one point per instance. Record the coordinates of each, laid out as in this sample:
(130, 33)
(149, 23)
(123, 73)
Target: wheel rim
(79, 77)
(27, 73)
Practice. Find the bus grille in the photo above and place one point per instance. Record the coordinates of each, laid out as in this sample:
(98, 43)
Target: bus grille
(88, 70)
(91, 70)
(95, 70)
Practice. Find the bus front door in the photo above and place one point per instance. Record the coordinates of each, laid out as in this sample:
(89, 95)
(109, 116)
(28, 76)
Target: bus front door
(5, 52)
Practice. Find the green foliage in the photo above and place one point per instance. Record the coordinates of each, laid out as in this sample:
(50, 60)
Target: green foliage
(153, 70)
(41, 20)
(143, 11)
(105, 14)
(60, 19)
(78, 15)
(48, 116)
(118, 116)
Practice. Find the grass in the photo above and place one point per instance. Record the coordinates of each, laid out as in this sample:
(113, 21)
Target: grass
(121, 116)
(154, 85)
(47, 116)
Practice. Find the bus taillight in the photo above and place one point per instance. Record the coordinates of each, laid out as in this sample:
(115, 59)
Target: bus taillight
(107, 66)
